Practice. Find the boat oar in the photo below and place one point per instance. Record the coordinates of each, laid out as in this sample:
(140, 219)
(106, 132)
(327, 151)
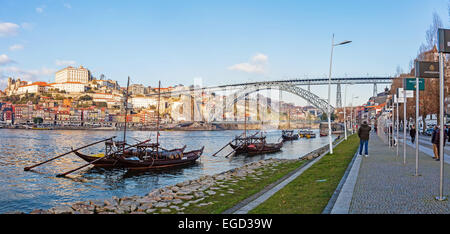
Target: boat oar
(28, 168)
(234, 150)
(225, 146)
(85, 165)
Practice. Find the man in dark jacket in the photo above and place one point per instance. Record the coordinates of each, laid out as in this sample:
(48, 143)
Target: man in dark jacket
(363, 133)
(435, 140)
(448, 133)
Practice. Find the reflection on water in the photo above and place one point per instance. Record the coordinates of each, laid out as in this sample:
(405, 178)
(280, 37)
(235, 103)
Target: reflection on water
(41, 189)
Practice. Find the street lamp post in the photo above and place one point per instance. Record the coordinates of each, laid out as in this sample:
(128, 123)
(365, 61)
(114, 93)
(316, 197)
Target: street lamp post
(345, 119)
(329, 90)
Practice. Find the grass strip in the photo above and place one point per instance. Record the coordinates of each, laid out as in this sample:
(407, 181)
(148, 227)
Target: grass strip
(310, 192)
(242, 189)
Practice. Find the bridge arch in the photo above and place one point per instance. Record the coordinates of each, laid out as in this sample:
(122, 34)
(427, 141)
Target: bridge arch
(310, 97)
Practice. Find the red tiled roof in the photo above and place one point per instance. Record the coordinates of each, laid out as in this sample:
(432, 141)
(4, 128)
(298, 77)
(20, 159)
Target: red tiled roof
(40, 83)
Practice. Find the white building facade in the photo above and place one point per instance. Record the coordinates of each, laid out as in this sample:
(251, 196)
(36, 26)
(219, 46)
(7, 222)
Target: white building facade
(143, 102)
(71, 74)
(70, 87)
(37, 87)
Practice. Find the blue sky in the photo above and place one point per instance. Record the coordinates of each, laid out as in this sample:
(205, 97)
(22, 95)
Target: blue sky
(219, 42)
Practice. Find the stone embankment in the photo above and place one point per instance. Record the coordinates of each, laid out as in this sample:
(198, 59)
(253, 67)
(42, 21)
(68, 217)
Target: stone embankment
(315, 153)
(170, 199)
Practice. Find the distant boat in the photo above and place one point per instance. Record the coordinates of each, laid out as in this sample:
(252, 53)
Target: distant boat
(306, 133)
(41, 128)
(289, 135)
(253, 144)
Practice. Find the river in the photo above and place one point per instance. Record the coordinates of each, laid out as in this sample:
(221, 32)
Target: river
(40, 188)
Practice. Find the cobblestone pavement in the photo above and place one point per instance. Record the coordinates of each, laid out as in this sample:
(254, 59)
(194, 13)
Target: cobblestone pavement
(386, 186)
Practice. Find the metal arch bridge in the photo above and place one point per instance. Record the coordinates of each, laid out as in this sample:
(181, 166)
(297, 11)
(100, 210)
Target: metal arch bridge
(296, 82)
(246, 90)
(291, 86)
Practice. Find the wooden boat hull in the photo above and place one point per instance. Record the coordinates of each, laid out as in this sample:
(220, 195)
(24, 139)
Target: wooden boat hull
(104, 163)
(113, 162)
(268, 148)
(187, 158)
(258, 149)
(239, 150)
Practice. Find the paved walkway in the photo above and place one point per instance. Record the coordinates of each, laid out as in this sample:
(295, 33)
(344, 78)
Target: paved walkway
(385, 185)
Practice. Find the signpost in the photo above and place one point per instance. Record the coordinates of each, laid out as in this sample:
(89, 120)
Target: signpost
(411, 83)
(444, 47)
(397, 123)
(388, 123)
(397, 100)
(406, 94)
(425, 69)
(404, 124)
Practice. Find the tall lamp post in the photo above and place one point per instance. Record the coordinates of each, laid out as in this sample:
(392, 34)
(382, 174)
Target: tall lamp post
(345, 120)
(329, 91)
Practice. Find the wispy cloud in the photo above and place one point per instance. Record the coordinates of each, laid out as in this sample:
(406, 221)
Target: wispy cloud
(260, 58)
(27, 26)
(40, 9)
(59, 62)
(3, 81)
(67, 5)
(4, 59)
(16, 47)
(257, 64)
(8, 29)
(29, 75)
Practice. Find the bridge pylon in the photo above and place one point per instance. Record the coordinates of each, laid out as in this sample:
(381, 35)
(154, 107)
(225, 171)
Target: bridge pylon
(338, 96)
(375, 92)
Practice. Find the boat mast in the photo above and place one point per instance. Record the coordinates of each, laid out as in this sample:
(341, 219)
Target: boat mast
(157, 122)
(126, 112)
(289, 118)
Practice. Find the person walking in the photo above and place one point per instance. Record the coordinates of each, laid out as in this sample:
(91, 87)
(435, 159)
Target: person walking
(412, 133)
(448, 133)
(363, 134)
(435, 141)
(392, 143)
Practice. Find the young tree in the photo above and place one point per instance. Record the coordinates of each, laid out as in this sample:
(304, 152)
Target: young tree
(431, 34)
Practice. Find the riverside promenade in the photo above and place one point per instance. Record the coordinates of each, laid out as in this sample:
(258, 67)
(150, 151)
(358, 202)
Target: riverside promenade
(383, 184)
